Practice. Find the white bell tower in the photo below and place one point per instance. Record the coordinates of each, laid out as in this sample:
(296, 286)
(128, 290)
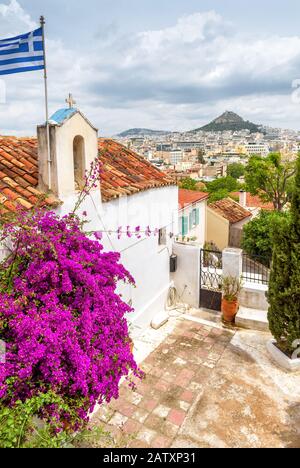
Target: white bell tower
(73, 147)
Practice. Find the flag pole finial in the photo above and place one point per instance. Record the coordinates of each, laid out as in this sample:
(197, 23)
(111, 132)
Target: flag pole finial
(42, 20)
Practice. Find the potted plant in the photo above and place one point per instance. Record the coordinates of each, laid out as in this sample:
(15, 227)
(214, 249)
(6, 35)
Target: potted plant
(231, 288)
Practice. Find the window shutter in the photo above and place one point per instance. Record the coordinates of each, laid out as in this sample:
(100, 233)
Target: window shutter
(185, 225)
(197, 217)
(181, 226)
(191, 220)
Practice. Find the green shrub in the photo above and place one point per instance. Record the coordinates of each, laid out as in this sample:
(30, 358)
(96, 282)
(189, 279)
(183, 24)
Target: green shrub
(284, 287)
(21, 428)
(258, 235)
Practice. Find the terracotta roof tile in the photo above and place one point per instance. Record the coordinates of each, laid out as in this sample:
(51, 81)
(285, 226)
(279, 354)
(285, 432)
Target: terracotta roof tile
(124, 173)
(9, 205)
(127, 173)
(188, 197)
(253, 201)
(18, 173)
(230, 210)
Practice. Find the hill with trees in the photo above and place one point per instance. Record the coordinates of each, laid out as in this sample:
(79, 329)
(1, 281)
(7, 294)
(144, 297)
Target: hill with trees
(230, 121)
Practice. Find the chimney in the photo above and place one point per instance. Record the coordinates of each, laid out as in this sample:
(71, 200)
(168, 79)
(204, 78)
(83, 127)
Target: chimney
(243, 199)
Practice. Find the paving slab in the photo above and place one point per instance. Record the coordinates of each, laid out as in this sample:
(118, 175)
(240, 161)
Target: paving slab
(206, 386)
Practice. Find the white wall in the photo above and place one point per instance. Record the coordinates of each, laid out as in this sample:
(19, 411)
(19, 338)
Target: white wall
(65, 135)
(62, 138)
(187, 277)
(147, 261)
(253, 296)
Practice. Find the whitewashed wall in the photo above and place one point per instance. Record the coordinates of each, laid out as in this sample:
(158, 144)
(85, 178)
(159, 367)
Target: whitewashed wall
(146, 260)
(187, 277)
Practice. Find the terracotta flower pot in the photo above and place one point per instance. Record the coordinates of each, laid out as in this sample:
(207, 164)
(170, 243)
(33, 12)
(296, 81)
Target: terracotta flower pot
(229, 310)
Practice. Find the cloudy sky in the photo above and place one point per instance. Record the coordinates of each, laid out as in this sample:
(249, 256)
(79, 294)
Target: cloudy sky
(161, 64)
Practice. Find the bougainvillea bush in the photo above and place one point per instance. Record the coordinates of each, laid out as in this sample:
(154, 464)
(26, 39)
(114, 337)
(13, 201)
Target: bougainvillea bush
(61, 318)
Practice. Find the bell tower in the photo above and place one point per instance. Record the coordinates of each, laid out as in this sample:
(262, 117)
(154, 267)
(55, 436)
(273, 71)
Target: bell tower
(73, 147)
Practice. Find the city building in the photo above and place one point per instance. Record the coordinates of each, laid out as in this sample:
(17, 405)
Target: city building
(225, 221)
(192, 215)
(260, 149)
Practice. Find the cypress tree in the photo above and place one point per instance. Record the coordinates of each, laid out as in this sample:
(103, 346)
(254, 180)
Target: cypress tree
(284, 287)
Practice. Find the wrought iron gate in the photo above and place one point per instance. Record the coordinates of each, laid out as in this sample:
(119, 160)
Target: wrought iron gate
(211, 280)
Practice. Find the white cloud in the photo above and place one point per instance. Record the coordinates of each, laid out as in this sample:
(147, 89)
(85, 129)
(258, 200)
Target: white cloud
(175, 78)
(13, 18)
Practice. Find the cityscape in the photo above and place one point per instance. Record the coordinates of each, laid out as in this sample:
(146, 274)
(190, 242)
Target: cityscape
(149, 228)
(205, 154)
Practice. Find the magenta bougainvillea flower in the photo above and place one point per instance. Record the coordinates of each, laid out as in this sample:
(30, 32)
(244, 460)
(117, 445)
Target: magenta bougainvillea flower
(61, 318)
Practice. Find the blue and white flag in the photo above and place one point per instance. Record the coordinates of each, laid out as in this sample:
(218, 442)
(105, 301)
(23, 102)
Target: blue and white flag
(22, 53)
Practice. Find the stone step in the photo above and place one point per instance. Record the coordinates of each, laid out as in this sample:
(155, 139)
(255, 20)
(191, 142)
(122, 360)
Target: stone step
(254, 296)
(252, 319)
(205, 314)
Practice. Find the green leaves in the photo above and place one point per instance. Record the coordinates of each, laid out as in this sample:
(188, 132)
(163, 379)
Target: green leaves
(221, 188)
(284, 290)
(270, 178)
(188, 184)
(258, 234)
(21, 428)
(236, 170)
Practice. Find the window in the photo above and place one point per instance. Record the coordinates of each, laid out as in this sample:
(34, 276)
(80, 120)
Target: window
(162, 236)
(79, 158)
(194, 218)
(184, 225)
(197, 217)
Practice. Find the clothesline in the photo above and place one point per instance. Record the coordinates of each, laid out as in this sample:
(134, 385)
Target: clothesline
(109, 232)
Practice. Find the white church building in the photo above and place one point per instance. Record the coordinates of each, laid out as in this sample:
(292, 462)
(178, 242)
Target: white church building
(131, 194)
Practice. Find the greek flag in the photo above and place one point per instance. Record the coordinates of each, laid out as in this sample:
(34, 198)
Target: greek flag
(22, 53)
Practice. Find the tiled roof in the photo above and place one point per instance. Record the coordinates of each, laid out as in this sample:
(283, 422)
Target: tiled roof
(230, 210)
(253, 201)
(127, 173)
(19, 175)
(62, 114)
(124, 173)
(189, 197)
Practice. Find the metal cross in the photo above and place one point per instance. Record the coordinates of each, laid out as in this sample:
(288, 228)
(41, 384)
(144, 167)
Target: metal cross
(71, 101)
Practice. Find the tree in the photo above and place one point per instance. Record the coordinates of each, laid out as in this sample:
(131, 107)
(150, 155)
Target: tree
(258, 235)
(271, 178)
(223, 183)
(188, 184)
(236, 170)
(218, 195)
(284, 287)
(221, 188)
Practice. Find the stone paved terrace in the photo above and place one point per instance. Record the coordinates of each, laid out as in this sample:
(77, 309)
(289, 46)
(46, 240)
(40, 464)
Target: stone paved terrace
(206, 386)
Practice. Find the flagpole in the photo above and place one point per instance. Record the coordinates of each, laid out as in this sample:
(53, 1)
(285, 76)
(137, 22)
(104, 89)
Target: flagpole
(43, 22)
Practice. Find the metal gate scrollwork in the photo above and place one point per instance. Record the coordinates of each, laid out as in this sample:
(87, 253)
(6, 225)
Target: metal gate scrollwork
(211, 279)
